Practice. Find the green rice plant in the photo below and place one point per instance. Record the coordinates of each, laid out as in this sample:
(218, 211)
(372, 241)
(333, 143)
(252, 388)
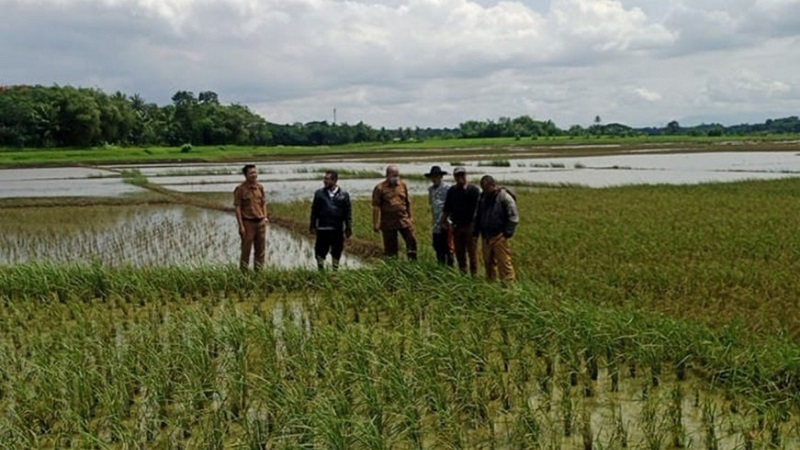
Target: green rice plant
(279, 361)
(134, 177)
(619, 429)
(653, 423)
(675, 413)
(495, 163)
(710, 425)
(567, 407)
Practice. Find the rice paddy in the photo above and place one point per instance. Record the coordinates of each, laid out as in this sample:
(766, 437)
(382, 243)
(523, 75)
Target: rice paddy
(140, 235)
(210, 358)
(645, 317)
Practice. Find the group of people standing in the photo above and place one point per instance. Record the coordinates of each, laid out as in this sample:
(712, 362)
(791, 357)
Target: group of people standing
(461, 214)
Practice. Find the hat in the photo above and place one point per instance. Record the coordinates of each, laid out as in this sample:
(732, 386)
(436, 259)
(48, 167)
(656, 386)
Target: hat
(435, 170)
(459, 170)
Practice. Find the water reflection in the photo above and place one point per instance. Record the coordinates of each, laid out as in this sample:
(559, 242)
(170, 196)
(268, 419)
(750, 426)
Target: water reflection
(67, 187)
(297, 180)
(140, 236)
(285, 191)
(51, 173)
(599, 171)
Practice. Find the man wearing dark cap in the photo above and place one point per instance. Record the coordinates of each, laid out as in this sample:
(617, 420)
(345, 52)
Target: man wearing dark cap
(459, 209)
(437, 193)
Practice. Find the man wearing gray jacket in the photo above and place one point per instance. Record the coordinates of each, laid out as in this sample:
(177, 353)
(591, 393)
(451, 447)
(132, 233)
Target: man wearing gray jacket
(495, 222)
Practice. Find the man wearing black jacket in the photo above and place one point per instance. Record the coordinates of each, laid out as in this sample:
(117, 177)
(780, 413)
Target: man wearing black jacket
(331, 220)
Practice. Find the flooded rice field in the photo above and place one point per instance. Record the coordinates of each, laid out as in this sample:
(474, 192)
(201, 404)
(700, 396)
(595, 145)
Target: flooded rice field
(297, 180)
(139, 236)
(175, 235)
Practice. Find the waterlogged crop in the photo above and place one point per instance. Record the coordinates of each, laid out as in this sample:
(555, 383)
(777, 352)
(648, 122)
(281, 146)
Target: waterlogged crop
(398, 356)
(162, 235)
(717, 253)
(645, 317)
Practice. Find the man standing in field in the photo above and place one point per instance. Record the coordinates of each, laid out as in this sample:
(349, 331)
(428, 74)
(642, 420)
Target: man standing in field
(496, 221)
(251, 213)
(331, 220)
(459, 209)
(442, 236)
(391, 214)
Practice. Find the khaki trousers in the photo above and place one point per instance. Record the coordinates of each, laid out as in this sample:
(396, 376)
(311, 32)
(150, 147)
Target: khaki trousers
(497, 258)
(255, 235)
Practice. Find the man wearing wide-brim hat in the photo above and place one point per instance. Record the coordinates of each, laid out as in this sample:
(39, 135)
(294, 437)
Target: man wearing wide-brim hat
(442, 236)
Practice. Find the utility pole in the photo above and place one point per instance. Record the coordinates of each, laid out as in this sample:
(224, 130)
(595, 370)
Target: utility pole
(334, 116)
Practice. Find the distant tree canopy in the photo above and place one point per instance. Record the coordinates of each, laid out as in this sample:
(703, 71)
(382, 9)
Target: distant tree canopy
(38, 116)
(65, 116)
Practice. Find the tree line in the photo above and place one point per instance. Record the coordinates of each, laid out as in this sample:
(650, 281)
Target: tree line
(66, 116)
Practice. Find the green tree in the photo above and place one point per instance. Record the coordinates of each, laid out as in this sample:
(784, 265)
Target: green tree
(673, 127)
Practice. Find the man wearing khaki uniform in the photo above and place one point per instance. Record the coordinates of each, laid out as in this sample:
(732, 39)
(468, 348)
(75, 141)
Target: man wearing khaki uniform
(391, 214)
(251, 213)
(496, 220)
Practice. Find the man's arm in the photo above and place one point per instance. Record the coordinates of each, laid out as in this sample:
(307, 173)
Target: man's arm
(348, 216)
(408, 203)
(376, 218)
(237, 202)
(476, 224)
(312, 226)
(264, 196)
(239, 219)
(512, 213)
(447, 209)
(376, 209)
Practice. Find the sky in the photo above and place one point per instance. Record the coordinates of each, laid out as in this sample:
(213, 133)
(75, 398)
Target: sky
(426, 63)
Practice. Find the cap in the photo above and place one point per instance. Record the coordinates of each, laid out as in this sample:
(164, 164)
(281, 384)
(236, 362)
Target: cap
(459, 170)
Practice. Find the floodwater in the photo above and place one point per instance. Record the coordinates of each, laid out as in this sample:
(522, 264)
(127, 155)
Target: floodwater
(62, 182)
(297, 180)
(286, 191)
(140, 236)
(178, 236)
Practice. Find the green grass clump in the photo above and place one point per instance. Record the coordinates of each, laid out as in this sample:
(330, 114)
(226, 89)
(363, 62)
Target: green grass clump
(718, 253)
(449, 149)
(399, 355)
(134, 177)
(495, 163)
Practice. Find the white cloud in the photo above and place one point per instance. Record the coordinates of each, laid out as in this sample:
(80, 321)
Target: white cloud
(746, 86)
(647, 94)
(420, 62)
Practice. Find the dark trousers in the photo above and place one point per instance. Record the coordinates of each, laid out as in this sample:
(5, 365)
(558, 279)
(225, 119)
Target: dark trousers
(442, 245)
(466, 246)
(329, 241)
(255, 236)
(391, 244)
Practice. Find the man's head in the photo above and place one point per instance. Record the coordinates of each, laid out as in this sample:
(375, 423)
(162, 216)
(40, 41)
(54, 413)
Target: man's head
(460, 175)
(331, 178)
(250, 173)
(435, 175)
(488, 184)
(393, 174)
